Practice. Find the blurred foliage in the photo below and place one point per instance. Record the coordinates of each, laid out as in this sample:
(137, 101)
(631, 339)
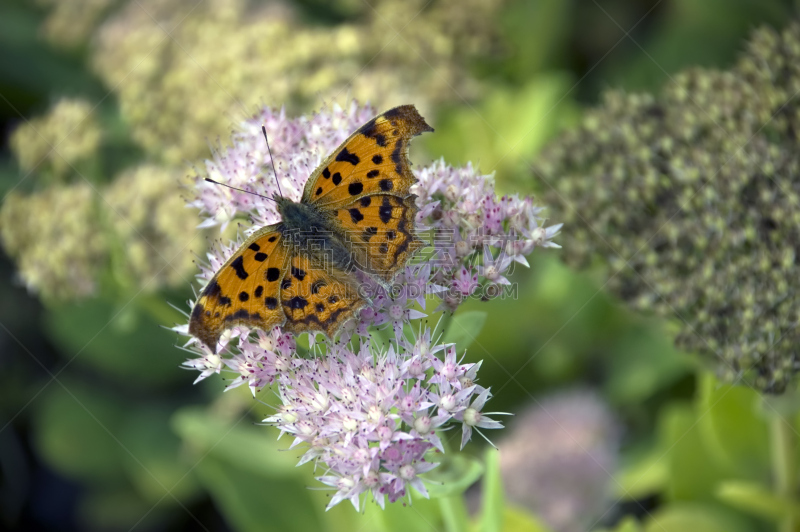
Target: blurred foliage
(105, 104)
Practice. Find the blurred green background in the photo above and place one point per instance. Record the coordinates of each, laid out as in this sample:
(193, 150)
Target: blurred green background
(106, 105)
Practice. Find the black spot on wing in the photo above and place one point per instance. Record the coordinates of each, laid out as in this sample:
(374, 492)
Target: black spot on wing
(259, 291)
(298, 274)
(385, 211)
(213, 289)
(254, 246)
(397, 156)
(270, 302)
(242, 314)
(355, 188)
(377, 158)
(260, 257)
(386, 185)
(326, 174)
(272, 238)
(346, 156)
(369, 232)
(320, 307)
(355, 215)
(373, 174)
(286, 283)
(238, 267)
(319, 191)
(337, 178)
(315, 287)
(224, 301)
(243, 296)
(333, 299)
(296, 302)
(390, 235)
(365, 201)
(272, 274)
(384, 248)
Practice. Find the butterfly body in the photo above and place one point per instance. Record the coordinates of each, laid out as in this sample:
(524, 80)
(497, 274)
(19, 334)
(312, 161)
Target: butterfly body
(356, 212)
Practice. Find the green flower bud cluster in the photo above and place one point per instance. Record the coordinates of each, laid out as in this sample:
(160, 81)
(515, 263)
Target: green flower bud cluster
(692, 197)
(65, 238)
(221, 60)
(53, 237)
(54, 143)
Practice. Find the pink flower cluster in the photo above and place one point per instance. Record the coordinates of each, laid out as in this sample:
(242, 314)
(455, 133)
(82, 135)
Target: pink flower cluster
(367, 412)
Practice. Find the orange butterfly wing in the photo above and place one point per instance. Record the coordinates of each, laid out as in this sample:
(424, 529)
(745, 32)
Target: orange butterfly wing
(373, 160)
(245, 291)
(316, 298)
(380, 230)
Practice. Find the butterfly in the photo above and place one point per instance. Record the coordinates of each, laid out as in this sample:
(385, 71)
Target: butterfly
(356, 213)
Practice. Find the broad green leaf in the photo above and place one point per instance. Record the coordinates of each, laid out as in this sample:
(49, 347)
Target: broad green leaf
(464, 328)
(237, 442)
(683, 517)
(693, 474)
(733, 431)
(251, 503)
(626, 524)
(756, 499)
(75, 429)
(120, 508)
(153, 463)
(121, 342)
(644, 476)
(519, 520)
(644, 362)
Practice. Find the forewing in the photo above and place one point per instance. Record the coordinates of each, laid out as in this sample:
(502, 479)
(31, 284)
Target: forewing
(373, 160)
(245, 291)
(380, 229)
(317, 298)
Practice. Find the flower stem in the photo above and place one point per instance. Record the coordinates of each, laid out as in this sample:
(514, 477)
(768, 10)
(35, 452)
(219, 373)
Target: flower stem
(784, 464)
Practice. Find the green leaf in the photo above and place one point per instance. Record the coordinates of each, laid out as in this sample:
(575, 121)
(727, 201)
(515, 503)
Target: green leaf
(732, 428)
(693, 473)
(252, 505)
(75, 430)
(681, 517)
(757, 499)
(454, 513)
(493, 508)
(153, 463)
(626, 524)
(644, 476)
(464, 328)
(644, 363)
(236, 442)
(120, 508)
(518, 520)
(122, 342)
(453, 476)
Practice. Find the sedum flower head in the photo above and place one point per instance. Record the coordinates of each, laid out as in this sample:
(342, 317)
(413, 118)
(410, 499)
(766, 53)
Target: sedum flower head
(54, 143)
(53, 237)
(152, 226)
(366, 411)
(183, 69)
(692, 197)
(560, 458)
(70, 22)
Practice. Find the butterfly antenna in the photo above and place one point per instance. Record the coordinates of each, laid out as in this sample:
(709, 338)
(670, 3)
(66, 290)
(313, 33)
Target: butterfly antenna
(277, 181)
(239, 189)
